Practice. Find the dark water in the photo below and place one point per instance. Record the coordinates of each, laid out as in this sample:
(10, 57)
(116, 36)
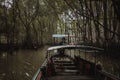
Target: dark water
(20, 65)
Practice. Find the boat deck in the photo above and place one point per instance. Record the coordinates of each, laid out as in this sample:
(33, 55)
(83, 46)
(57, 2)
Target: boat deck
(66, 70)
(80, 77)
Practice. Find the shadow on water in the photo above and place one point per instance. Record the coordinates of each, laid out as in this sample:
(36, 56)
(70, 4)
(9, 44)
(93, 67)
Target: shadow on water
(21, 64)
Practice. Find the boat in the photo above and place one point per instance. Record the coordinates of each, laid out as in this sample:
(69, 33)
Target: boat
(63, 62)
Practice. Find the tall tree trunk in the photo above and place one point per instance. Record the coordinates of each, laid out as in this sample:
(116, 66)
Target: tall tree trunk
(105, 22)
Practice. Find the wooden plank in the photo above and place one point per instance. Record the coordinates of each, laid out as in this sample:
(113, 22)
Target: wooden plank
(71, 78)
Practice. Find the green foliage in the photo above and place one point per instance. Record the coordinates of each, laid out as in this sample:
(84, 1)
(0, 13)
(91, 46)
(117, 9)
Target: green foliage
(32, 22)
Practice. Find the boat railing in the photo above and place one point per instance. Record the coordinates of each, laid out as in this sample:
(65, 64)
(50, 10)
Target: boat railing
(39, 73)
(103, 75)
(86, 67)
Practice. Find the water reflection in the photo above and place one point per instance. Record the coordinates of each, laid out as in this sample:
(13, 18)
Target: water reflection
(20, 65)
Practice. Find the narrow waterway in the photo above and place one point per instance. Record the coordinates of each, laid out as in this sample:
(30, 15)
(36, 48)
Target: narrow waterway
(20, 65)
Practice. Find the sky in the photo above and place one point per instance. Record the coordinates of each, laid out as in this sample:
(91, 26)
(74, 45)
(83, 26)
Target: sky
(7, 3)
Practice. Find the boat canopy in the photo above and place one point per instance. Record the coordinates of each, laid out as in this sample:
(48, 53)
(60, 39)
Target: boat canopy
(59, 35)
(75, 47)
